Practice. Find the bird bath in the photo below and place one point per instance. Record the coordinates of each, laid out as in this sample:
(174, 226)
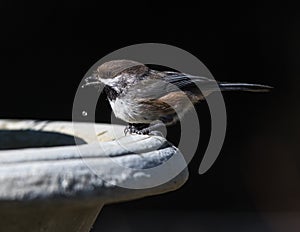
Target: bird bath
(50, 183)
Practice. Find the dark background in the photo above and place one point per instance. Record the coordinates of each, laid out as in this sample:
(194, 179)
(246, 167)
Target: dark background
(254, 184)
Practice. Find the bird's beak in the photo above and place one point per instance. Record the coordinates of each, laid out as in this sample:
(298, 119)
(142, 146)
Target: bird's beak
(92, 81)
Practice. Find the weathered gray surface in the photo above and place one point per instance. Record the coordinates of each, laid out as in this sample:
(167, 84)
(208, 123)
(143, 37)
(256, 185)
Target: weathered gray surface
(63, 188)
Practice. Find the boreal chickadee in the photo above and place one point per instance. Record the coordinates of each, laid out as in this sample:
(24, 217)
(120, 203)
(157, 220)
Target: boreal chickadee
(139, 95)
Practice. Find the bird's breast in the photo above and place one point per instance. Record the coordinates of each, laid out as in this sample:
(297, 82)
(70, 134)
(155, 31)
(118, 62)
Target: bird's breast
(128, 110)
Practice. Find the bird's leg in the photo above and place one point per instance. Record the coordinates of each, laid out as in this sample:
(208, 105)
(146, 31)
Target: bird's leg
(129, 129)
(136, 128)
(144, 129)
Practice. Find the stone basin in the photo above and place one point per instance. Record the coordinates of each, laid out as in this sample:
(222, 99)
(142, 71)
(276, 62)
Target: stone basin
(56, 178)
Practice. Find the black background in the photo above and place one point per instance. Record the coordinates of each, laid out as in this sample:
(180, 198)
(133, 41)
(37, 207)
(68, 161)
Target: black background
(46, 51)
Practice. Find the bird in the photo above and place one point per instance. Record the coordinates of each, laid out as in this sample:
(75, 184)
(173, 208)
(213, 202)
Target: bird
(140, 95)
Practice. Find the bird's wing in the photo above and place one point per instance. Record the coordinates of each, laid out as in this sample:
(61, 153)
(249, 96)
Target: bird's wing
(169, 82)
(186, 81)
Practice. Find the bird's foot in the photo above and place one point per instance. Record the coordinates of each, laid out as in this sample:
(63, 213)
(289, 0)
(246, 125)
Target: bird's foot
(140, 129)
(129, 129)
(144, 129)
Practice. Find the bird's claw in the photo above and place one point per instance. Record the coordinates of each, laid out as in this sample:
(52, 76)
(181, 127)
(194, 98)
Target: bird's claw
(131, 129)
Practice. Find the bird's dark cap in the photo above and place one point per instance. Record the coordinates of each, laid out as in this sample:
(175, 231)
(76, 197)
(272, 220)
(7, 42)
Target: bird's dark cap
(114, 68)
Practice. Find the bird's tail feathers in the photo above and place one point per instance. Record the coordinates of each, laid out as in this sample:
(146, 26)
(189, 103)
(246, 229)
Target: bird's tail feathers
(244, 87)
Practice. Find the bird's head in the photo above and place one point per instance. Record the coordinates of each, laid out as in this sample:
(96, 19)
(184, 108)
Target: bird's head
(117, 74)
